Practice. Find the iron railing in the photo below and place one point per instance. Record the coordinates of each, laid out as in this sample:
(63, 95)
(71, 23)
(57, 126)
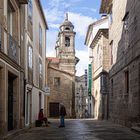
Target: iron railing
(11, 45)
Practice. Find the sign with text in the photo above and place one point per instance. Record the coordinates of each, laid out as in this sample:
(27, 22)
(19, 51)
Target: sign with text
(85, 77)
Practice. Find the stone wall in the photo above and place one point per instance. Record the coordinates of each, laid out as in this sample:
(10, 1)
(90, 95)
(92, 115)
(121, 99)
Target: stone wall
(62, 93)
(124, 99)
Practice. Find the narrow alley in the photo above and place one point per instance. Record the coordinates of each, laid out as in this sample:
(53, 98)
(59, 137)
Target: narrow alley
(77, 60)
(79, 130)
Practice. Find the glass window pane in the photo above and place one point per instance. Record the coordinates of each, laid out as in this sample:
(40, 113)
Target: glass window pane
(30, 57)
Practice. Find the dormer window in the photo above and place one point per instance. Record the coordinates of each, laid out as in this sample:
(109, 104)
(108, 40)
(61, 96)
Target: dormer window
(67, 41)
(67, 28)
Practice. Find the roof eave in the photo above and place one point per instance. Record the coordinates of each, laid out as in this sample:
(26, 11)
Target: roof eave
(43, 15)
(87, 35)
(99, 33)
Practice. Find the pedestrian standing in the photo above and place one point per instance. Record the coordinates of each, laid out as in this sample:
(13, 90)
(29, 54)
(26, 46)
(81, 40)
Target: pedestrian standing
(62, 114)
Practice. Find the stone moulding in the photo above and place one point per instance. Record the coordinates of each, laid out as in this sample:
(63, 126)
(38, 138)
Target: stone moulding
(106, 6)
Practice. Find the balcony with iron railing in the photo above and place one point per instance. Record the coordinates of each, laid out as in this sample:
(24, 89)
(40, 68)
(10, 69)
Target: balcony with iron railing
(12, 46)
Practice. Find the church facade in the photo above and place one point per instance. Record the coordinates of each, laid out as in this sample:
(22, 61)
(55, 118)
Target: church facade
(61, 72)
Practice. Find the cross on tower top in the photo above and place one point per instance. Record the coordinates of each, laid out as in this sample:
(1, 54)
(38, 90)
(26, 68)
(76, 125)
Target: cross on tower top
(66, 16)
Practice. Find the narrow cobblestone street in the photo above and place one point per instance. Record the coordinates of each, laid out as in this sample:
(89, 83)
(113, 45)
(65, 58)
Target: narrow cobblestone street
(79, 130)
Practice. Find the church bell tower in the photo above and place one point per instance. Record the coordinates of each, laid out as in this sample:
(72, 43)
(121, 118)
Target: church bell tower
(65, 46)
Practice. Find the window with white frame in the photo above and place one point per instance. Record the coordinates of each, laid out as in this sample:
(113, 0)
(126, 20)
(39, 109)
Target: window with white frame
(10, 18)
(40, 68)
(30, 57)
(30, 9)
(40, 40)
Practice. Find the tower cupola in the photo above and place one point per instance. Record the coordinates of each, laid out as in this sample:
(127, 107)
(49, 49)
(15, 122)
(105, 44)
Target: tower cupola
(66, 25)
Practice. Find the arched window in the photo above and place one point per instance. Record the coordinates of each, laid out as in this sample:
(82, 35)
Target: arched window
(67, 28)
(67, 41)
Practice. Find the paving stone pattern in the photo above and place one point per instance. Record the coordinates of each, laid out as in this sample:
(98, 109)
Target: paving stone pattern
(80, 130)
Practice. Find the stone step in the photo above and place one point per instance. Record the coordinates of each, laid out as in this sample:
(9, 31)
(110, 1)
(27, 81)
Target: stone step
(136, 129)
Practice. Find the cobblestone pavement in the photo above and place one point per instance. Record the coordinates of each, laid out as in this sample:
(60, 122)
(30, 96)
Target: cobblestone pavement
(79, 130)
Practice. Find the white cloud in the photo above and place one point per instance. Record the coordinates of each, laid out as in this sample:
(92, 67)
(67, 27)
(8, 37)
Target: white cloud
(51, 40)
(55, 3)
(83, 63)
(80, 22)
(53, 15)
(89, 9)
(50, 53)
(54, 26)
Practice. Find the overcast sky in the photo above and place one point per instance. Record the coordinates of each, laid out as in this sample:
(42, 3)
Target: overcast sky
(81, 14)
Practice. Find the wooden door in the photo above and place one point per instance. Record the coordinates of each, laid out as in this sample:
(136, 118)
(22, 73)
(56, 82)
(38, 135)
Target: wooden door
(54, 109)
(10, 103)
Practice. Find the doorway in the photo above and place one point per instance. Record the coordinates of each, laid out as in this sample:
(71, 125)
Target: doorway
(11, 79)
(139, 89)
(54, 109)
(28, 107)
(40, 100)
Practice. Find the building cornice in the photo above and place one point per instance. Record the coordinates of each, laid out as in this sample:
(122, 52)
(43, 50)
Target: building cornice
(98, 36)
(88, 34)
(11, 62)
(42, 13)
(65, 72)
(106, 6)
(89, 31)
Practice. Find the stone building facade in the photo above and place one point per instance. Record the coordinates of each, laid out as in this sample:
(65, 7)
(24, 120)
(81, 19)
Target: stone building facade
(124, 75)
(11, 66)
(97, 40)
(81, 97)
(35, 57)
(61, 91)
(61, 72)
(22, 64)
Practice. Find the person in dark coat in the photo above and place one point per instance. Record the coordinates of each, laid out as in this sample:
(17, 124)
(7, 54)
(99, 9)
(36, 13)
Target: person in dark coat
(42, 118)
(62, 114)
